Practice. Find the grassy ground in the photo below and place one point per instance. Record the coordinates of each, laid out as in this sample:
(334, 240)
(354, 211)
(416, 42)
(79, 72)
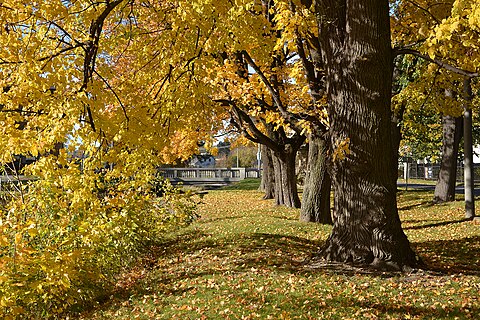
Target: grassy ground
(417, 181)
(243, 259)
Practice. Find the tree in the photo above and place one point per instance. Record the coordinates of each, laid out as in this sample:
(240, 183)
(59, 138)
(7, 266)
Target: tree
(116, 101)
(283, 149)
(447, 36)
(317, 186)
(267, 184)
(427, 106)
(316, 192)
(255, 103)
(452, 133)
(355, 46)
(420, 92)
(293, 90)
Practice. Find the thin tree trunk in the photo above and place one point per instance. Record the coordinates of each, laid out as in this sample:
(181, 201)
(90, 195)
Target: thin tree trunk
(397, 138)
(277, 168)
(355, 41)
(316, 191)
(468, 151)
(452, 133)
(268, 174)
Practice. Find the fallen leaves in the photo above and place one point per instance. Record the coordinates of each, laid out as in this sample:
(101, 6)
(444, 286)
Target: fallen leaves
(242, 262)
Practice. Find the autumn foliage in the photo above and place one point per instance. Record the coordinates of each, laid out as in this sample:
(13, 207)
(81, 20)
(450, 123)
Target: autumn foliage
(124, 86)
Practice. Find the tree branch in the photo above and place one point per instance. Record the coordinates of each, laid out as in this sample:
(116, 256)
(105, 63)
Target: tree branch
(245, 122)
(288, 116)
(273, 92)
(92, 45)
(440, 63)
(424, 10)
(114, 93)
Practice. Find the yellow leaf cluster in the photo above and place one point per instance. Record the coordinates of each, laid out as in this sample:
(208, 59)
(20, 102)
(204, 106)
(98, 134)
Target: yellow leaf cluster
(342, 150)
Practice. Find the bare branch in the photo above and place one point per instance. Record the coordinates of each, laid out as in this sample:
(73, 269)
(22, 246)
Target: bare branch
(114, 93)
(273, 92)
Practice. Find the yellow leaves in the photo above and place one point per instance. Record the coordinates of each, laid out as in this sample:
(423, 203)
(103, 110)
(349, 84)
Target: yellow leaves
(431, 52)
(275, 118)
(455, 38)
(423, 31)
(292, 24)
(474, 17)
(3, 241)
(71, 235)
(342, 150)
(18, 238)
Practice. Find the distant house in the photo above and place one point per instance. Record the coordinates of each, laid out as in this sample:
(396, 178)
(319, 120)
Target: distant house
(201, 161)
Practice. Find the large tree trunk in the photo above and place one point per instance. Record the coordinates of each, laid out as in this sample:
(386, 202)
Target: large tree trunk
(286, 192)
(316, 191)
(355, 40)
(452, 133)
(268, 174)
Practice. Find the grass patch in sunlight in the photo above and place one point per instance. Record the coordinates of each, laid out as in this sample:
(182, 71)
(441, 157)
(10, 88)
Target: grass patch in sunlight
(245, 184)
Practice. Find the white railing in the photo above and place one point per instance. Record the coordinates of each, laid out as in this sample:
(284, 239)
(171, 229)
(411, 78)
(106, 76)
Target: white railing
(208, 175)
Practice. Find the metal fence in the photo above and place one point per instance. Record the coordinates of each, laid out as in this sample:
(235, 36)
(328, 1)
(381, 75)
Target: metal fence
(430, 171)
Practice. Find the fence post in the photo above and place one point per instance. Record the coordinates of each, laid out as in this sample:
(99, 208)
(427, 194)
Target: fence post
(242, 173)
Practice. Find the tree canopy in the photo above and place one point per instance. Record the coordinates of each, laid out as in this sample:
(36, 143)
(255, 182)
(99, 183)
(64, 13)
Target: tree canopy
(102, 92)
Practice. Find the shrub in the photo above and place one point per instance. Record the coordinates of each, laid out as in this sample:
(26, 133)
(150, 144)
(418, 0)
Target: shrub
(63, 241)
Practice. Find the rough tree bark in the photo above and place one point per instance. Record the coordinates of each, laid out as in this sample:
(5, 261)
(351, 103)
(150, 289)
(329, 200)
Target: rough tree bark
(316, 190)
(268, 174)
(452, 134)
(317, 186)
(286, 192)
(355, 42)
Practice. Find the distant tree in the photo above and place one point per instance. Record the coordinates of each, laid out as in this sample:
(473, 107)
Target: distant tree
(316, 193)
(246, 156)
(447, 176)
(268, 174)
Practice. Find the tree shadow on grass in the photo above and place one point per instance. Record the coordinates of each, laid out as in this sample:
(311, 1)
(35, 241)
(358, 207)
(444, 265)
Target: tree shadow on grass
(194, 256)
(423, 204)
(451, 256)
(282, 252)
(241, 252)
(368, 308)
(217, 219)
(432, 225)
(291, 254)
(415, 194)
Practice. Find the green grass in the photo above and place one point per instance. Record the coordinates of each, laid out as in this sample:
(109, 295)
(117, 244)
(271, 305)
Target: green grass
(246, 184)
(418, 181)
(243, 259)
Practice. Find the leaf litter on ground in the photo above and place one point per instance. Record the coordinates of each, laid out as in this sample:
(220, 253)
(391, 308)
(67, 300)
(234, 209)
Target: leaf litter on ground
(245, 259)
